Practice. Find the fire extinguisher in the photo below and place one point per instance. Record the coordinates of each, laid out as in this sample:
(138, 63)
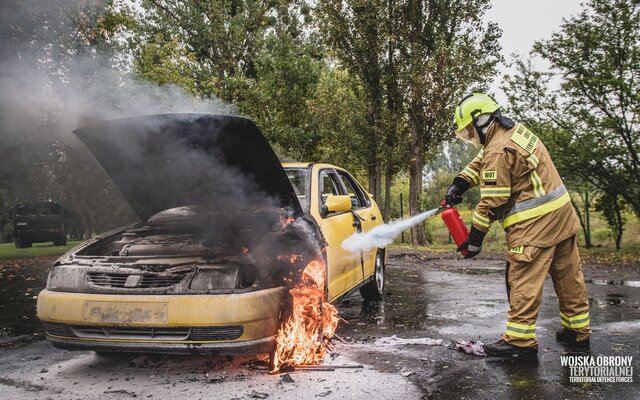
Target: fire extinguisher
(456, 226)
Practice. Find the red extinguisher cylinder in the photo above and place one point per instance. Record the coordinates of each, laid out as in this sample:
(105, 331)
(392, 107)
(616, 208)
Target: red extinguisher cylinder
(456, 226)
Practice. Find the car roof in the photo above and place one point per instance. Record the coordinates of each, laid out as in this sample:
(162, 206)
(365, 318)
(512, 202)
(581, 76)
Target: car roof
(309, 164)
(296, 164)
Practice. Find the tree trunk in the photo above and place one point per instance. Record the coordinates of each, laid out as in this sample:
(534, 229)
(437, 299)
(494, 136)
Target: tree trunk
(373, 167)
(392, 104)
(416, 165)
(88, 226)
(374, 178)
(587, 221)
(619, 223)
(388, 179)
(587, 242)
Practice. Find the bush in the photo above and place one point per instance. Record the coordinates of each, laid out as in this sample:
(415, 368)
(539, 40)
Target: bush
(7, 232)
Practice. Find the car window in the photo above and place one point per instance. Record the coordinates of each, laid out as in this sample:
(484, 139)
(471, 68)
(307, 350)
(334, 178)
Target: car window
(330, 185)
(359, 198)
(356, 197)
(298, 178)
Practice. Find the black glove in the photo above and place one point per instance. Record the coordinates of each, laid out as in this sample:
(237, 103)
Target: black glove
(455, 192)
(473, 245)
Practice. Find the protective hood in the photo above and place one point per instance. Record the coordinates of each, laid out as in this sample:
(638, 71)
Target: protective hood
(165, 161)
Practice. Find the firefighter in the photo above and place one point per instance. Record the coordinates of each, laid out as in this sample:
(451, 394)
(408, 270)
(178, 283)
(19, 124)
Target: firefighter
(521, 188)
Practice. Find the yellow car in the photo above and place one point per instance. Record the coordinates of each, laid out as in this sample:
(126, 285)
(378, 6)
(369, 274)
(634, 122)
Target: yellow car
(226, 230)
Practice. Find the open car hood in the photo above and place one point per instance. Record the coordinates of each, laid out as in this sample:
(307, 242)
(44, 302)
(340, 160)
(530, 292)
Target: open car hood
(164, 161)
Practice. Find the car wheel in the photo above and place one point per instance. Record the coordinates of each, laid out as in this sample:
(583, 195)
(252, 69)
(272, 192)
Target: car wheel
(60, 241)
(22, 243)
(374, 290)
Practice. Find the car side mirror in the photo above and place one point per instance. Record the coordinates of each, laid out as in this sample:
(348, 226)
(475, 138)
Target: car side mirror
(338, 204)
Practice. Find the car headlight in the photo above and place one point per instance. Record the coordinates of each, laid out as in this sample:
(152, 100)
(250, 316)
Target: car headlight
(64, 277)
(212, 278)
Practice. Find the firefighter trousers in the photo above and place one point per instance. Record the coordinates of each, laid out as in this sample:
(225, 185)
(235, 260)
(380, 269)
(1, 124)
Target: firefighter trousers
(526, 273)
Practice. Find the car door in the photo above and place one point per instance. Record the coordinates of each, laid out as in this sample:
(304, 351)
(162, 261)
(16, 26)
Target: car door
(344, 269)
(368, 214)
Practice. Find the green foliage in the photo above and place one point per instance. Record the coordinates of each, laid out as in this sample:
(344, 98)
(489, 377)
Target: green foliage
(612, 208)
(338, 112)
(591, 125)
(259, 56)
(287, 73)
(165, 63)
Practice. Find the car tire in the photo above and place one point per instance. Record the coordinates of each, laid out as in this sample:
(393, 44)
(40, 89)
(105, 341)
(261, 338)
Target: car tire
(374, 290)
(22, 243)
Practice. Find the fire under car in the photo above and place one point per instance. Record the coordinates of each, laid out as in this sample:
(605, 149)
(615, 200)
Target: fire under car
(226, 230)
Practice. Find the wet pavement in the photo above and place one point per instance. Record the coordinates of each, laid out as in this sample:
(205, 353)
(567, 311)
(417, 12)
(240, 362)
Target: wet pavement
(427, 296)
(20, 282)
(441, 297)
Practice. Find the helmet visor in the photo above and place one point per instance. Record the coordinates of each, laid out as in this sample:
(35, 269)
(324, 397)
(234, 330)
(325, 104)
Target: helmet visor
(469, 135)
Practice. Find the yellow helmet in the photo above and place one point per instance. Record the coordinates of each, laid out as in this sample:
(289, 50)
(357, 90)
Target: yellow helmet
(471, 107)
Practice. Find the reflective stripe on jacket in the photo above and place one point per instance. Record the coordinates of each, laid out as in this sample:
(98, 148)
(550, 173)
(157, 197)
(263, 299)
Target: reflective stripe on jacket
(520, 186)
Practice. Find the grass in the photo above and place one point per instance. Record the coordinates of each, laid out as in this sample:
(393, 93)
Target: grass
(8, 251)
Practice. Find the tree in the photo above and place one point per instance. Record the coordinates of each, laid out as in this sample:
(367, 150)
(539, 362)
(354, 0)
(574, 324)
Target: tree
(445, 49)
(612, 206)
(262, 57)
(340, 139)
(53, 58)
(355, 31)
(278, 99)
(591, 124)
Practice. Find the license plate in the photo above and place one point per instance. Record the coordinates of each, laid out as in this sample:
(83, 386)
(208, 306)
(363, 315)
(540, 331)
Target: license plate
(125, 312)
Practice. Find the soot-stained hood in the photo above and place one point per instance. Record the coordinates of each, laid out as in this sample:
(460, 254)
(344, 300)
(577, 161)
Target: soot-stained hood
(164, 161)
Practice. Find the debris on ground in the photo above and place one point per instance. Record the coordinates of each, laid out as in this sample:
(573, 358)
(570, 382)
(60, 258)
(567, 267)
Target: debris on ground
(396, 341)
(144, 362)
(471, 347)
(121, 391)
(258, 395)
(286, 378)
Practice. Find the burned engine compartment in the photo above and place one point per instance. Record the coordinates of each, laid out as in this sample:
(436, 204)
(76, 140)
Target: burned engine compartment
(183, 251)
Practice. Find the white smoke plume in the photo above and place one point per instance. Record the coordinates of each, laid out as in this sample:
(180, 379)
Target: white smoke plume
(383, 235)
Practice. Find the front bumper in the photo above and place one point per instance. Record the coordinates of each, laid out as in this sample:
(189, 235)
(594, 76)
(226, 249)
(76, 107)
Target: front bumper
(264, 345)
(257, 313)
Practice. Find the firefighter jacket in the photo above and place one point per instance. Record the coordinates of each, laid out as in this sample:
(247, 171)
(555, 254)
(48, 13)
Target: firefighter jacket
(520, 187)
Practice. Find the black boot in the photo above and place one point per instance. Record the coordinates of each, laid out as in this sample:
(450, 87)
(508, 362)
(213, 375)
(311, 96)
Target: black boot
(569, 337)
(504, 349)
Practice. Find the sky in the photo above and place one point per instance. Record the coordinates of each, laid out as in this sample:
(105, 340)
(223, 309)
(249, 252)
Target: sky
(523, 22)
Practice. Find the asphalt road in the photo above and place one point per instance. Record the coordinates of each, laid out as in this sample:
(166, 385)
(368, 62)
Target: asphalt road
(428, 296)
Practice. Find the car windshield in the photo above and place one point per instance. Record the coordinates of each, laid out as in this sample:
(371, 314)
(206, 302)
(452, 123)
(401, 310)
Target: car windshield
(45, 208)
(298, 178)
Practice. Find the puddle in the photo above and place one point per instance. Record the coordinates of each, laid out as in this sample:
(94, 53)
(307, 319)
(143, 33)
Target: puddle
(610, 300)
(621, 326)
(613, 282)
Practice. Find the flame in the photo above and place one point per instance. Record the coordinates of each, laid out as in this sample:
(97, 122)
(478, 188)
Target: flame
(284, 221)
(303, 338)
(291, 258)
